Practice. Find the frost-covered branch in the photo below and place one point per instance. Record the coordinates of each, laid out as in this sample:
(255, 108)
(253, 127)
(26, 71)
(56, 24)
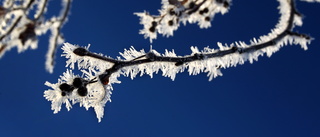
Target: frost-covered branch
(57, 37)
(93, 88)
(174, 12)
(22, 22)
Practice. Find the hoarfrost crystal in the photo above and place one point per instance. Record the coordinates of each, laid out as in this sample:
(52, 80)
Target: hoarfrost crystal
(21, 22)
(98, 94)
(93, 88)
(180, 11)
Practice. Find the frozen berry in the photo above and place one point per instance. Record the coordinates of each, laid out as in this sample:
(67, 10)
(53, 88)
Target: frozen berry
(77, 82)
(154, 23)
(152, 29)
(172, 12)
(104, 78)
(191, 5)
(205, 10)
(63, 93)
(207, 19)
(170, 22)
(82, 91)
(66, 87)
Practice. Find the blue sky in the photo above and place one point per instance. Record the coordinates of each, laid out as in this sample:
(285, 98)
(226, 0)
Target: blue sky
(277, 96)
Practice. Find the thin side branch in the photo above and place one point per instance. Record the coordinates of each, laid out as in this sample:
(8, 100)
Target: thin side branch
(52, 52)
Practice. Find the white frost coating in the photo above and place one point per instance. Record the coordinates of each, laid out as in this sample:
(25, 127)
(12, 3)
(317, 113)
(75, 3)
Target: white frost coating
(172, 15)
(19, 30)
(82, 62)
(55, 39)
(311, 0)
(169, 69)
(211, 65)
(98, 94)
(54, 94)
(41, 6)
(146, 20)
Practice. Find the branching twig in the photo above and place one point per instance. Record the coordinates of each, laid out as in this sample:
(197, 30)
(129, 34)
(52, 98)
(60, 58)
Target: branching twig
(93, 88)
(21, 29)
(151, 57)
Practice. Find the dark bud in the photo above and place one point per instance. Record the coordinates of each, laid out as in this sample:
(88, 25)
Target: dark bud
(199, 56)
(82, 91)
(226, 4)
(272, 42)
(220, 1)
(305, 36)
(66, 87)
(63, 93)
(170, 22)
(77, 82)
(80, 51)
(2, 11)
(28, 33)
(174, 2)
(205, 10)
(191, 5)
(172, 12)
(179, 63)
(234, 49)
(207, 19)
(154, 23)
(152, 29)
(239, 50)
(104, 78)
(2, 47)
(151, 56)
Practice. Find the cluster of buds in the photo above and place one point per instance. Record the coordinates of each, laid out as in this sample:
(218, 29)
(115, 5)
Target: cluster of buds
(88, 91)
(174, 12)
(78, 83)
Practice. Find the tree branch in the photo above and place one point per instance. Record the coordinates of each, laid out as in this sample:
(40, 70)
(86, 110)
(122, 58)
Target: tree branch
(21, 30)
(151, 57)
(55, 34)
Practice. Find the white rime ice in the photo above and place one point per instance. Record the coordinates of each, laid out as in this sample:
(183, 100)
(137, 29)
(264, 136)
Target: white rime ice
(99, 94)
(192, 11)
(311, 0)
(21, 22)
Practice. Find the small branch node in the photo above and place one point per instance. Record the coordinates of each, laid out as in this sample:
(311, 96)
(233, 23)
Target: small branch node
(104, 78)
(151, 56)
(199, 56)
(81, 51)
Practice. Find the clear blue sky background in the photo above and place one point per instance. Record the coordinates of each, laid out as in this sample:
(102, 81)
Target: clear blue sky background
(274, 97)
